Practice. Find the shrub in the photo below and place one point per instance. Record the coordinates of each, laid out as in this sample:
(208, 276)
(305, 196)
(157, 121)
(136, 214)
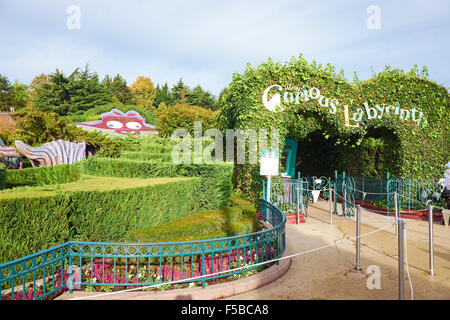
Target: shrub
(2, 176)
(182, 116)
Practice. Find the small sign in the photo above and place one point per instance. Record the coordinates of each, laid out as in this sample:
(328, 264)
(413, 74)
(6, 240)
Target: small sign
(269, 162)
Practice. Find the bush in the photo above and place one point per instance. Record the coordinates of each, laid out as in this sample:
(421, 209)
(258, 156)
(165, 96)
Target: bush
(182, 116)
(216, 178)
(2, 176)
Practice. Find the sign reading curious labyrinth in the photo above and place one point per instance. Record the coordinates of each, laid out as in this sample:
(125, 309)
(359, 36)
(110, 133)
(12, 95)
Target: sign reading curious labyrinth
(297, 95)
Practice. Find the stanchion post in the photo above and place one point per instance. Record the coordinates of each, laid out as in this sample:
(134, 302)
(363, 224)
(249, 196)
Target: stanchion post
(298, 207)
(396, 210)
(430, 237)
(401, 270)
(358, 233)
(331, 204)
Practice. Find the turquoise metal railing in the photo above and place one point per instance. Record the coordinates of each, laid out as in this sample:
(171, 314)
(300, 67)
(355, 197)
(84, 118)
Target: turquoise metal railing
(413, 194)
(290, 195)
(344, 191)
(35, 276)
(75, 263)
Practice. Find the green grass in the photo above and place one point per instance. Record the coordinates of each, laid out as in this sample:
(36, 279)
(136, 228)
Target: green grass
(86, 183)
(239, 218)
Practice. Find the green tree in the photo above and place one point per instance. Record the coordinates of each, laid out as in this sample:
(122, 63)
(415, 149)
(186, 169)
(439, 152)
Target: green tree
(117, 87)
(179, 92)
(182, 116)
(74, 94)
(21, 95)
(163, 95)
(6, 97)
(200, 97)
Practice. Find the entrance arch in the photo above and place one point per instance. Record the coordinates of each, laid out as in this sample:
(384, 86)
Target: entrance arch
(395, 110)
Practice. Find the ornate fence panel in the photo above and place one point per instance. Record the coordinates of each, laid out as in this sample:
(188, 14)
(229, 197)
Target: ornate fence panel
(75, 264)
(289, 195)
(413, 194)
(319, 183)
(36, 276)
(344, 187)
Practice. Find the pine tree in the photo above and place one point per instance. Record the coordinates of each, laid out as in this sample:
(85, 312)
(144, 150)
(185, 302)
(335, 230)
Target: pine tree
(200, 97)
(74, 94)
(163, 95)
(179, 92)
(117, 87)
(6, 97)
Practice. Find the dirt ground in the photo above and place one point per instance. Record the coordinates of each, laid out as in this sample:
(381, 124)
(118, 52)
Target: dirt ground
(322, 274)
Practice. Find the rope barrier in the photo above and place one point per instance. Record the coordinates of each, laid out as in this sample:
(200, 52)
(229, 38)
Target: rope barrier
(240, 268)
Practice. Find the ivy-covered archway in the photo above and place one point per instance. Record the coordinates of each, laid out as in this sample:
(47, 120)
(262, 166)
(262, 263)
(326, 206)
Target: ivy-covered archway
(403, 113)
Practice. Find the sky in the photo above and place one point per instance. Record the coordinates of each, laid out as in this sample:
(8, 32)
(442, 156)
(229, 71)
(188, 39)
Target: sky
(205, 42)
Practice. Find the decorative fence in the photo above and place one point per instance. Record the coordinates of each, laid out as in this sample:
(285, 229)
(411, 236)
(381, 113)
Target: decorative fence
(290, 195)
(344, 191)
(74, 264)
(293, 195)
(413, 194)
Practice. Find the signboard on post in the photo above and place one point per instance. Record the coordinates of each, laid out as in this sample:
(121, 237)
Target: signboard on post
(269, 162)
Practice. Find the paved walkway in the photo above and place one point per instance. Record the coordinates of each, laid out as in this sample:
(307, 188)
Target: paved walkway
(322, 274)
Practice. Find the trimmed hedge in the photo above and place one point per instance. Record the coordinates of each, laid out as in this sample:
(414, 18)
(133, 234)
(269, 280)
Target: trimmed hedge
(31, 224)
(147, 156)
(217, 179)
(40, 176)
(2, 176)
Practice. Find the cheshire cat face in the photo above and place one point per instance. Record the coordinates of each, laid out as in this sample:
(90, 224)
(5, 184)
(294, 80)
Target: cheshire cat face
(122, 123)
